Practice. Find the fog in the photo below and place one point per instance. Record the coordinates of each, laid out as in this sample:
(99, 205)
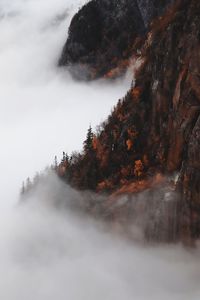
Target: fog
(43, 111)
(50, 251)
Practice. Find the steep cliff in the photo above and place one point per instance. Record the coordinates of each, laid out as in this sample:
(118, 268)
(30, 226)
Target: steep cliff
(103, 34)
(152, 8)
(151, 140)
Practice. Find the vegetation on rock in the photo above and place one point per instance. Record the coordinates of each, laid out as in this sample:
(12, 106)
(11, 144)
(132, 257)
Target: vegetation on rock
(151, 139)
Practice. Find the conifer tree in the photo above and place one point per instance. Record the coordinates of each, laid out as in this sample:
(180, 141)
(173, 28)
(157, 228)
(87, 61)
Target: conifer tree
(64, 157)
(88, 142)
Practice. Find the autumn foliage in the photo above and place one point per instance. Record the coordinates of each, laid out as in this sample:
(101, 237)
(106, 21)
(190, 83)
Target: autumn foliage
(114, 154)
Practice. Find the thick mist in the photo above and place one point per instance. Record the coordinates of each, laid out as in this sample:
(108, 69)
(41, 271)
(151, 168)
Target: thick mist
(48, 250)
(43, 111)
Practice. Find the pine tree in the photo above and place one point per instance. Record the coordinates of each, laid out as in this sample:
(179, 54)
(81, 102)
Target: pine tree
(64, 157)
(88, 142)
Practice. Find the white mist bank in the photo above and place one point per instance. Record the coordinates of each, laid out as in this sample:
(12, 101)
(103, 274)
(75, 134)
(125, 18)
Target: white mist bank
(55, 253)
(43, 111)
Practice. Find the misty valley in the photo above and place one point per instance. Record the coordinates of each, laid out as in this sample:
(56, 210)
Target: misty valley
(100, 140)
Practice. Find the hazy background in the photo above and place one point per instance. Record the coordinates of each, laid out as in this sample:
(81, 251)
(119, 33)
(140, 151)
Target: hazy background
(47, 253)
(43, 111)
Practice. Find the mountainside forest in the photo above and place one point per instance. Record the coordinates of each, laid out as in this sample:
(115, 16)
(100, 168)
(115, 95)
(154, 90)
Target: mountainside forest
(144, 159)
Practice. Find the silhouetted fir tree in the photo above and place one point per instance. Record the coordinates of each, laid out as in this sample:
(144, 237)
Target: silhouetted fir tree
(89, 163)
(64, 157)
(87, 145)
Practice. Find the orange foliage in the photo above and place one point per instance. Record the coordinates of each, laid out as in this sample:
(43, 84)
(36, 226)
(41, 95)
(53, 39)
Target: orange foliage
(136, 92)
(94, 142)
(115, 72)
(101, 152)
(104, 185)
(129, 144)
(138, 186)
(138, 169)
(123, 182)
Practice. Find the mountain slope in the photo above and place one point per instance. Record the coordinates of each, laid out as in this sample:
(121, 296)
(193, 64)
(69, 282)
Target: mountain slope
(152, 137)
(142, 165)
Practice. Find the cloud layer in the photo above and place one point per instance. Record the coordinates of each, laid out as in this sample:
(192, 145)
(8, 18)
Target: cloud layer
(43, 111)
(52, 252)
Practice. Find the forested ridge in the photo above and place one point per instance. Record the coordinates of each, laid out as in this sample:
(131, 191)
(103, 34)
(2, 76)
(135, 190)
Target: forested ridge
(151, 139)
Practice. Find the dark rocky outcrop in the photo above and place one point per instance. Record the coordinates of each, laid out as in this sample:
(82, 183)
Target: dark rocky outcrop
(103, 33)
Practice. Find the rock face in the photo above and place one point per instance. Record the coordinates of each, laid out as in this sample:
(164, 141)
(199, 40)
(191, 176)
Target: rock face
(152, 137)
(152, 8)
(176, 104)
(103, 33)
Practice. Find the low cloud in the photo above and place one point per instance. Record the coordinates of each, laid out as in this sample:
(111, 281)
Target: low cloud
(43, 110)
(50, 251)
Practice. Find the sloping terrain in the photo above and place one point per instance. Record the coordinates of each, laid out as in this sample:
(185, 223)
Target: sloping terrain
(142, 165)
(152, 136)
